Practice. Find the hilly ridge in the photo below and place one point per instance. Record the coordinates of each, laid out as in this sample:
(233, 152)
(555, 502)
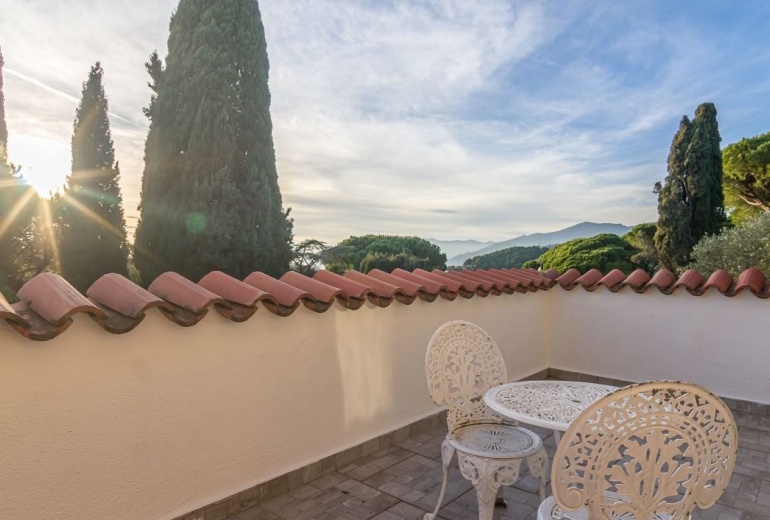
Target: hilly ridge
(582, 230)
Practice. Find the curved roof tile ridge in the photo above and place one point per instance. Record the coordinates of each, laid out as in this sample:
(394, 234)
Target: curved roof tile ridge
(382, 293)
(496, 284)
(691, 280)
(637, 281)
(191, 302)
(355, 293)
(410, 288)
(521, 282)
(243, 297)
(454, 287)
(755, 281)
(285, 298)
(537, 277)
(121, 295)
(7, 312)
(612, 280)
(55, 300)
(470, 284)
(569, 279)
(124, 302)
(663, 280)
(48, 302)
(590, 280)
(321, 295)
(721, 280)
(430, 285)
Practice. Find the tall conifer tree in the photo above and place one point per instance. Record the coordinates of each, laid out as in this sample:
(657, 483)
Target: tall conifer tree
(93, 234)
(17, 201)
(210, 196)
(690, 201)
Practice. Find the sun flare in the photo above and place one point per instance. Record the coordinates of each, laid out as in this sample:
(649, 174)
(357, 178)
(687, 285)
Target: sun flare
(44, 163)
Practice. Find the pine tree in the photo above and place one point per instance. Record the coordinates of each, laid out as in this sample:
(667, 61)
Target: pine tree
(210, 196)
(93, 230)
(16, 205)
(690, 201)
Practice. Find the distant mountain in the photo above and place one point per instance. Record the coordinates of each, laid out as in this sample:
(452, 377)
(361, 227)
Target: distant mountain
(455, 247)
(582, 230)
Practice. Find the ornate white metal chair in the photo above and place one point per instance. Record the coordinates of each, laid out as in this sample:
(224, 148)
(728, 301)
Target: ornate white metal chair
(651, 451)
(461, 364)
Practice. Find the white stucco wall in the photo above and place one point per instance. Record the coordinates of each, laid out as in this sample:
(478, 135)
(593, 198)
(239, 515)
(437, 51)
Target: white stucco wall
(164, 420)
(719, 342)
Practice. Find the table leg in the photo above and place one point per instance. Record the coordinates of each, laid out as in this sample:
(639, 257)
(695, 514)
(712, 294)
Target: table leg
(557, 437)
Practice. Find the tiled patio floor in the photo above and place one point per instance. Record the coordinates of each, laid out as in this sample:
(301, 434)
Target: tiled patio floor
(403, 482)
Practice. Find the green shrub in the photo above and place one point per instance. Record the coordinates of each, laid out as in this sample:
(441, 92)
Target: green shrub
(736, 249)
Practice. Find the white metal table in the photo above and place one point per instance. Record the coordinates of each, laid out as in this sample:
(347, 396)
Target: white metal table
(549, 404)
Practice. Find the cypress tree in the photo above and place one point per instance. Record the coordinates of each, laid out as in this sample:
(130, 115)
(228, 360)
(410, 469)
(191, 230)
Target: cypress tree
(17, 201)
(690, 201)
(210, 196)
(93, 230)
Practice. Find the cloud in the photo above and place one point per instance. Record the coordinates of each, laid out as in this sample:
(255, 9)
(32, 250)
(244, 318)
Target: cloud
(450, 119)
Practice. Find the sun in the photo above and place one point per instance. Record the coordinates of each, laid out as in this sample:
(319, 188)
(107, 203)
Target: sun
(45, 164)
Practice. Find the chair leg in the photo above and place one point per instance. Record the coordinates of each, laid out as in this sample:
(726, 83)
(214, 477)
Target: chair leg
(538, 467)
(500, 499)
(447, 452)
(487, 475)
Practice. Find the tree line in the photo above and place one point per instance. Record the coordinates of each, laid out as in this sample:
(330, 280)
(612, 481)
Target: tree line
(210, 198)
(713, 211)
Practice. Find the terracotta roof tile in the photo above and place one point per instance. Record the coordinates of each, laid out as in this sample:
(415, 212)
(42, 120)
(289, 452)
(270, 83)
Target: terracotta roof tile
(287, 297)
(518, 282)
(190, 301)
(355, 292)
(117, 305)
(613, 280)
(7, 312)
(538, 278)
(322, 296)
(318, 290)
(663, 280)
(382, 293)
(180, 291)
(569, 279)
(637, 280)
(431, 286)
(690, 280)
(754, 280)
(233, 290)
(36, 327)
(590, 279)
(551, 274)
(453, 286)
(469, 284)
(488, 284)
(497, 284)
(53, 299)
(721, 280)
(411, 289)
(243, 297)
(123, 296)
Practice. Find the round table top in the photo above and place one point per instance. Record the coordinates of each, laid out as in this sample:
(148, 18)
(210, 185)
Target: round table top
(550, 404)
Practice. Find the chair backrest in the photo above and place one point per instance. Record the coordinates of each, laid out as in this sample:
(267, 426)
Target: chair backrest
(461, 364)
(657, 448)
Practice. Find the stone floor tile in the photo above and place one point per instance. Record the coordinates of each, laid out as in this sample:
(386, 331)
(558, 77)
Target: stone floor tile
(257, 513)
(403, 481)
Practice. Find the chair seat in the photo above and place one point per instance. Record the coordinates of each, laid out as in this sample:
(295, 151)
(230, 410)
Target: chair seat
(495, 440)
(550, 510)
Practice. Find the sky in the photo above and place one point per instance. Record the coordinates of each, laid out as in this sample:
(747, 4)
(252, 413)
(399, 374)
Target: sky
(445, 119)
